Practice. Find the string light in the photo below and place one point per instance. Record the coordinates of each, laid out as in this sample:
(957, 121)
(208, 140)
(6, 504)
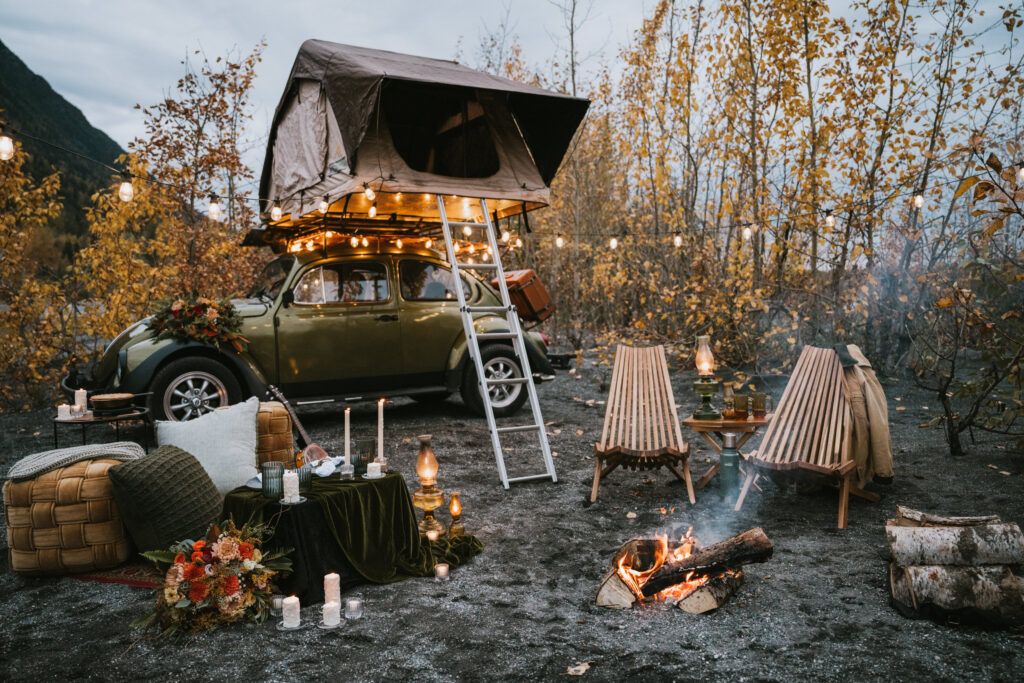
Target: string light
(519, 242)
(354, 241)
(677, 240)
(1020, 174)
(429, 242)
(370, 194)
(328, 234)
(373, 210)
(506, 236)
(214, 210)
(559, 242)
(398, 244)
(6, 146)
(126, 192)
(472, 248)
(918, 201)
(275, 211)
(324, 204)
(467, 231)
(747, 232)
(471, 262)
(366, 242)
(310, 246)
(830, 220)
(485, 256)
(613, 243)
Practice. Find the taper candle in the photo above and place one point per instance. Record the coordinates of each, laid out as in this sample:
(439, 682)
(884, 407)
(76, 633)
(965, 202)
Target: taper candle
(348, 440)
(380, 430)
(332, 588)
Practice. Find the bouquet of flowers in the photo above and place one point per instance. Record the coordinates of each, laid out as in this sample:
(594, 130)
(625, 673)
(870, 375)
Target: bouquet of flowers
(223, 579)
(191, 317)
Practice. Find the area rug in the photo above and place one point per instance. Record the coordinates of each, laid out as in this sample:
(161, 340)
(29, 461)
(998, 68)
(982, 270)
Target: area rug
(138, 573)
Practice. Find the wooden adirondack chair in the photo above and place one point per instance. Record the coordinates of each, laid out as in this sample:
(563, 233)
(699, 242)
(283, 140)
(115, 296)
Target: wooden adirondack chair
(810, 429)
(641, 427)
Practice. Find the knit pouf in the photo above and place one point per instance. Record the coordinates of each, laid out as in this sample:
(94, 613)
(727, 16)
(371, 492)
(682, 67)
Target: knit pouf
(65, 521)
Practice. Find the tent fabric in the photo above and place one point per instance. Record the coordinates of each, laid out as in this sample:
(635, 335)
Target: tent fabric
(336, 91)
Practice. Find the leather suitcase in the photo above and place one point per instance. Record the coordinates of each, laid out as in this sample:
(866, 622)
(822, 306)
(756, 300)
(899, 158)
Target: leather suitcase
(528, 295)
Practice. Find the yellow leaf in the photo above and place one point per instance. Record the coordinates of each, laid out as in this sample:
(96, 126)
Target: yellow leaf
(967, 184)
(944, 302)
(903, 298)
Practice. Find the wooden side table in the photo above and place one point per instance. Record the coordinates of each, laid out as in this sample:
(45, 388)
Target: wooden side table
(709, 429)
(138, 414)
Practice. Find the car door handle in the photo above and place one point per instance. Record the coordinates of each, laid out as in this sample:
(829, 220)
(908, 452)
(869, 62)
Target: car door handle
(387, 318)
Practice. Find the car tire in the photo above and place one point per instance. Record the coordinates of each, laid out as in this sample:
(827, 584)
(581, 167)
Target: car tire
(433, 397)
(187, 388)
(501, 363)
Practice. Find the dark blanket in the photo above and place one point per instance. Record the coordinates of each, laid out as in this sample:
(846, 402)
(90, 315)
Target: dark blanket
(363, 530)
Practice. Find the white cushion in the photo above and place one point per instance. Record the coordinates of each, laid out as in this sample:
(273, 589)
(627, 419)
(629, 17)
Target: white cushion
(223, 441)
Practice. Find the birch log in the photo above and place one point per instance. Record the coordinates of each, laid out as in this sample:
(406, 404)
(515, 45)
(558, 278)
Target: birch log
(973, 546)
(990, 594)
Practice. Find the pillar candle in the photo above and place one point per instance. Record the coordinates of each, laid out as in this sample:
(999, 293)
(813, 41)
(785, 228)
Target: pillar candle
(81, 398)
(380, 430)
(373, 469)
(332, 588)
(290, 610)
(291, 486)
(332, 612)
(63, 412)
(348, 452)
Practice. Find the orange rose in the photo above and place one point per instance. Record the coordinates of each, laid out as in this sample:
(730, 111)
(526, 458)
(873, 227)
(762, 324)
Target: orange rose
(193, 572)
(197, 592)
(197, 556)
(179, 558)
(230, 585)
(198, 545)
(245, 551)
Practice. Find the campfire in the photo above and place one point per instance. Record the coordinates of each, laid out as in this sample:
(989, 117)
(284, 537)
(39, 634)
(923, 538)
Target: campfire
(680, 572)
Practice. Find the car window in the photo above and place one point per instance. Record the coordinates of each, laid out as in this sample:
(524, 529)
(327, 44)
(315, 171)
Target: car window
(272, 278)
(425, 281)
(365, 282)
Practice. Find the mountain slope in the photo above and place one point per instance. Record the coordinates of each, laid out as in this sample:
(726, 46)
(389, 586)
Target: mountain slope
(29, 104)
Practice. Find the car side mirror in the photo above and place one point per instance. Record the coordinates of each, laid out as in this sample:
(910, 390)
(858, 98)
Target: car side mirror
(287, 297)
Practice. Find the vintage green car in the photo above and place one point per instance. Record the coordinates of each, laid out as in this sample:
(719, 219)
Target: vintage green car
(345, 325)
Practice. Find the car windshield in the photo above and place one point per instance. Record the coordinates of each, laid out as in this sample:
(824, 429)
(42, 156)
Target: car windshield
(272, 278)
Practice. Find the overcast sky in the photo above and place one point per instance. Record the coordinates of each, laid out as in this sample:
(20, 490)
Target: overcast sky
(107, 55)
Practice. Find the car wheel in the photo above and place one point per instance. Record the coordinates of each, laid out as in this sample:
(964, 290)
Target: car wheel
(434, 397)
(499, 362)
(187, 388)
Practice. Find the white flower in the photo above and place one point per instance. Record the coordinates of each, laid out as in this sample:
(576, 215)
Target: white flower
(208, 570)
(249, 565)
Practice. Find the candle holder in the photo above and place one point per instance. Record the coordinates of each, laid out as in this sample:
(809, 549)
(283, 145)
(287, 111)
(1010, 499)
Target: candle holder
(428, 497)
(706, 386)
(456, 528)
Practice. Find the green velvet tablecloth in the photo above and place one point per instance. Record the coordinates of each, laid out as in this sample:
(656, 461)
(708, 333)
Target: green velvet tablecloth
(371, 523)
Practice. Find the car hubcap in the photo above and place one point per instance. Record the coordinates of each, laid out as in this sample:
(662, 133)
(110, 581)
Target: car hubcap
(193, 394)
(502, 395)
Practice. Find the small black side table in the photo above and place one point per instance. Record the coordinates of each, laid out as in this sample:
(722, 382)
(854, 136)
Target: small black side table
(137, 414)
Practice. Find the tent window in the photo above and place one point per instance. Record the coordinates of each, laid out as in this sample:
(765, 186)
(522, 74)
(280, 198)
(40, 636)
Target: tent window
(440, 130)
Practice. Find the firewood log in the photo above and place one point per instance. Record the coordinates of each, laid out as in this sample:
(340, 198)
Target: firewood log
(926, 519)
(713, 594)
(990, 594)
(732, 553)
(982, 544)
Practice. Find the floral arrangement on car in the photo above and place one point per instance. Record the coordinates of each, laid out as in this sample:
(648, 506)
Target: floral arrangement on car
(223, 579)
(191, 317)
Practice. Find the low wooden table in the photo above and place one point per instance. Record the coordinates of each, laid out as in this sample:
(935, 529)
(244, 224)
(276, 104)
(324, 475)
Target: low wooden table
(138, 414)
(709, 429)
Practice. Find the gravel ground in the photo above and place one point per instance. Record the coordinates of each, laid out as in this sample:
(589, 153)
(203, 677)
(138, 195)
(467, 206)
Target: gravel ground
(524, 608)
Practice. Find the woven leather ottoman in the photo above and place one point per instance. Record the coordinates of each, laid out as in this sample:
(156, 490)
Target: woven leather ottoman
(274, 434)
(65, 521)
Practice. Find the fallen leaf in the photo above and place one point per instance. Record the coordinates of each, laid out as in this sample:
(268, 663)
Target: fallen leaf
(1004, 473)
(901, 407)
(767, 576)
(579, 432)
(993, 467)
(578, 670)
(630, 515)
(664, 511)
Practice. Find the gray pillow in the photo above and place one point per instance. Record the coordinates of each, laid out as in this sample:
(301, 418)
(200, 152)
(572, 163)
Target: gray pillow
(224, 442)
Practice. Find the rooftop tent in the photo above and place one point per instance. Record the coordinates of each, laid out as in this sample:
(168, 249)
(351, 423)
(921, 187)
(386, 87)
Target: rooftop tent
(409, 127)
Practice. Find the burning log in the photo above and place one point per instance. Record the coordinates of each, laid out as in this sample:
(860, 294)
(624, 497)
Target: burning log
(696, 579)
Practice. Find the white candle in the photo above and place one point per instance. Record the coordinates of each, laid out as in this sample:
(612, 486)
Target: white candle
(380, 430)
(81, 398)
(332, 612)
(290, 611)
(348, 452)
(63, 412)
(353, 608)
(332, 588)
(432, 535)
(441, 571)
(291, 486)
(373, 469)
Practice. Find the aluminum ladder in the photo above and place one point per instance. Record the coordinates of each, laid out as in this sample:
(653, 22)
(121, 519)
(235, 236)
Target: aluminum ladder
(514, 335)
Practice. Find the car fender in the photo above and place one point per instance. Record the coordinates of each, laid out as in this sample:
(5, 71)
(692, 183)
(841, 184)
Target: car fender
(458, 357)
(143, 360)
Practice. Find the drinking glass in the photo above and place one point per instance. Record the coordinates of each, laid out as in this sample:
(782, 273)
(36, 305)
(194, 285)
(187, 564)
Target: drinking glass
(353, 607)
(760, 404)
(740, 407)
(273, 479)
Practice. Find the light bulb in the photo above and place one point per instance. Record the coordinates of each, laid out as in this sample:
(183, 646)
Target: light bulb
(830, 221)
(472, 248)
(918, 201)
(214, 211)
(559, 242)
(747, 232)
(370, 194)
(126, 192)
(324, 204)
(429, 242)
(519, 242)
(310, 246)
(398, 244)
(467, 231)
(677, 240)
(485, 256)
(613, 243)
(427, 197)
(6, 148)
(275, 213)
(455, 247)
(1020, 175)
(506, 236)
(295, 247)
(373, 210)
(328, 234)
(366, 242)
(354, 241)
